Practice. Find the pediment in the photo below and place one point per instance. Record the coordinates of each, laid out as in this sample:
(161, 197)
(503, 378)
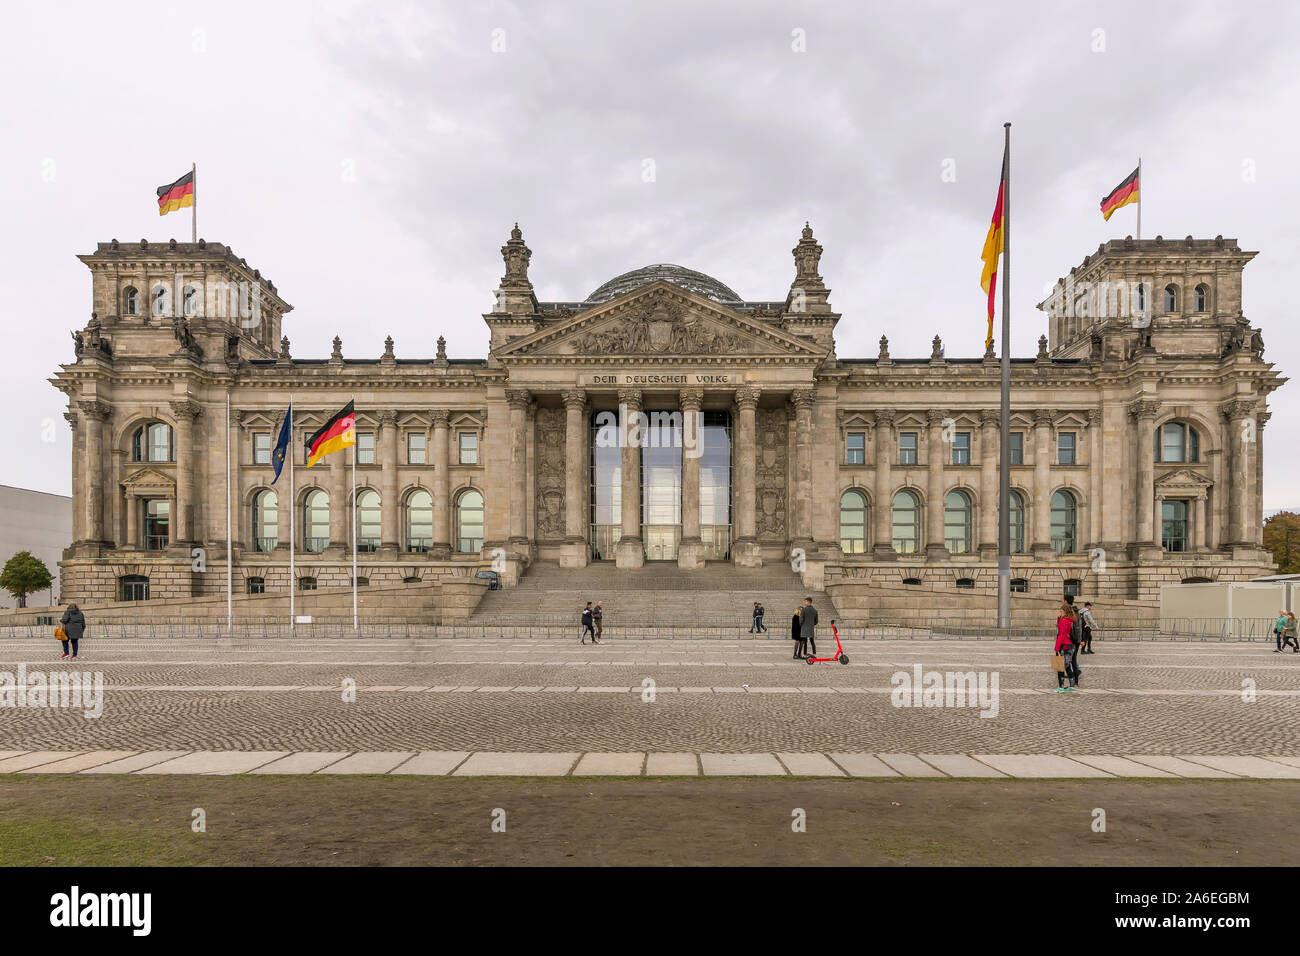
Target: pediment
(149, 480)
(1183, 483)
(659, 321)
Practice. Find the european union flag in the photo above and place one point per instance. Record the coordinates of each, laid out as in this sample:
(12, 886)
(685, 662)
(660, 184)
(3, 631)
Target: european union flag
(282, 444)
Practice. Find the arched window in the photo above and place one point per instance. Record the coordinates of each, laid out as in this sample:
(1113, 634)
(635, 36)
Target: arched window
(1202, 298)
(266, 508)
(1063, 522)
(153, 442)
(306, 584)
(315, 522)
(255, 585)
(131, 301)
(190, 300)
(134, 587)
(162, 300)
(368, 526)
(853, 522)
(1141, 299)
(1177, 442)
(956, 522)
(419, 521)
(1171, 298)
(469, 522)
(1016, 509)
(907, 522)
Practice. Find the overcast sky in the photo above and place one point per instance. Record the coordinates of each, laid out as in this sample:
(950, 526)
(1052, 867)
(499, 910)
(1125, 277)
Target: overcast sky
(370, 158)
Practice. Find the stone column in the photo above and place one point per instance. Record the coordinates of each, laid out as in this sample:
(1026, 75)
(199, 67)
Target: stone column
(630, 551)
(990, 453)
(935, 548)
(1144, 414)
(75, 422)
(92, 466)
(883, 505)
(440, 547)
(690, 550)
(802, 532)
(1042, 540)
(576, 552)
(1094, 478)
(744, 550)
(182, 517)
(1198, 524)
(389, 507)
(1257, 511)
(1158, 514)
(519, 400)
(132, 521)
(1240, 441)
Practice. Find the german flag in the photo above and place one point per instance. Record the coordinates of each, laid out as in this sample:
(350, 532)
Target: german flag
(1123, 194)
(176, 195)
(337, 433)
(993, 249)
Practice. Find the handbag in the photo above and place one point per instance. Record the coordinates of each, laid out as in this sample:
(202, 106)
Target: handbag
(59, 633)
(1058, 663)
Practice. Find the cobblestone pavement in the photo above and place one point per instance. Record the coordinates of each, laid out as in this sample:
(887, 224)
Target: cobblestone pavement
(720, 697)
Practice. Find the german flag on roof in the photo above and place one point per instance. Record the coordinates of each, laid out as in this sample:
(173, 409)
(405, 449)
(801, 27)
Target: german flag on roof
(1123, 194)
(337, 433)
(176, 195)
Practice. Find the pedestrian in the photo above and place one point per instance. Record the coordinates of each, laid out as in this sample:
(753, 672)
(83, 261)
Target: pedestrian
(587, 624)
(807, 622)
(73, 623)
(1065, 648)
(796, 633)
(1279, 627)
(1289, 634)
(1089, 623)
(757, 626)
(597, 616)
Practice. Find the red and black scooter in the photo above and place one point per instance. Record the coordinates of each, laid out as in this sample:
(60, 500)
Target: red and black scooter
(839, 651)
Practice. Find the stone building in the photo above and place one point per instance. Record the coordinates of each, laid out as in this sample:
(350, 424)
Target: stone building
(664, 418)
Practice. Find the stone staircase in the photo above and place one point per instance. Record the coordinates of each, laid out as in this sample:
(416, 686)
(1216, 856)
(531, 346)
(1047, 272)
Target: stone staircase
(659, 595)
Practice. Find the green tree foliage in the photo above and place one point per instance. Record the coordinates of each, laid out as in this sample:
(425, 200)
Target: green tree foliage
(1282, 537)
(25, 574)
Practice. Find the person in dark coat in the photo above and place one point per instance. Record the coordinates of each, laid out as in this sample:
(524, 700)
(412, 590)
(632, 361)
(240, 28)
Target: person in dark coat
(807, 622)
(587, 621)
(800, 646)
(74, 625)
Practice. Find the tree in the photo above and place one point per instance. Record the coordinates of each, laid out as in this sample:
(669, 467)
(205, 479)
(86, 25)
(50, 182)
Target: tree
(25, 573)
(1282, 537)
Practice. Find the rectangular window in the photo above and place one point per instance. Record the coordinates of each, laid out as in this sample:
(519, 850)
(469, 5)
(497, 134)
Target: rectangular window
(1065, 448)
(1017, 448)
(365, 448)
(856, 449)
(469, 448)
(907, 448)
(415, 448)
(261, 448)
(1174, 525)
(961, 448)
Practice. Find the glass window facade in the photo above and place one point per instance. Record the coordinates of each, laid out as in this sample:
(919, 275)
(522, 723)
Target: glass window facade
(957, 522)
(907, 522)
(419, 521)
(368, 522)
(266, 513)
(661, 486)
(1174, 525)
(157, 523)
(469, 522)
(715, 485)
(1063, 523)
(316, 521)
(853, 522)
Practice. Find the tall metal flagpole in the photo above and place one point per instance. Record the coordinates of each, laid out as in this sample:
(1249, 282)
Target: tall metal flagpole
(293, 580)
(230, 571)
(1140, 192)
(354, 521)
(194, 205)
(1004, 451)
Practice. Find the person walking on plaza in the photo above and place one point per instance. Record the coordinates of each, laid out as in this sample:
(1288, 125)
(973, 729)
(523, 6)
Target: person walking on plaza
(1088, 624)
(587, 624)
(597, 617)
(807, 623)
(796, 634)
(74, 625)
(1289, 634)
(757, 626)
(1065, 648)
(1279, 628)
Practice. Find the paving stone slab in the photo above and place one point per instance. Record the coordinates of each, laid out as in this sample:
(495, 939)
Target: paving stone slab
(433, 763)
(1178, 766)
(609, 765)
(863, 765)
(497, 764)
(1121, 766)
(1289, 761)
(810, 765)
(305, 761)
(216, 762)
(80, 762)
(672, 765)
(137, 762)
(727, 765)
(910, 765)
(1245, 766)
(35, 758)
(960, 765)
(1039, 765)
(374, 761)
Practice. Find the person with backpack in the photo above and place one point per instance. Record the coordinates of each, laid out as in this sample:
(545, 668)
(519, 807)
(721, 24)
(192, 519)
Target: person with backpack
(1065, 648)
(597, 621)
(1289, 634)
(1279, 628)
(73, 624)
(587, 622)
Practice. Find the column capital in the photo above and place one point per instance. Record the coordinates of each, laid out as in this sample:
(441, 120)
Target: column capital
(387, 418)
(935, 417)
(1043, 418)
(1236, 410)
(1095, 417)
(440, 417)
(800, 398)
(691, 399)
(186, 410)
(1262, 419)
(518, 397)
(1144, 409)
(991, 417)
(631, 397)
(747, 397)
(884, 417)
(96, 411)
(574, 398)
(71, 418)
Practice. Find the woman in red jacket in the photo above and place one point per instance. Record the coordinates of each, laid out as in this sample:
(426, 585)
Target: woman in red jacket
(1065, 647)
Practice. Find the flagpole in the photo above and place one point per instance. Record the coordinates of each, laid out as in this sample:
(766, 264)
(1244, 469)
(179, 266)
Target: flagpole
(293, 581)
(354, 520)
(1140, 191)
(1004, 451)
(194, 206)
(230, 550)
